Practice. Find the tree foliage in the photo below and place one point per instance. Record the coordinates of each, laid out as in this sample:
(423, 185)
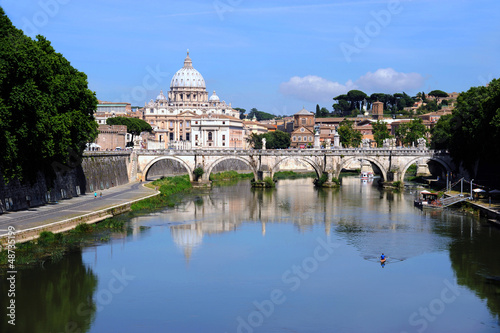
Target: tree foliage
(408, 133)
(349, 137)
(135, 126)
(438, 93)
(322, 112)
(441, 133)
(46, 108)
(380, 132)
(241, 111)
(274, 140)
(355, 99)
(260, 115)
(475, 126)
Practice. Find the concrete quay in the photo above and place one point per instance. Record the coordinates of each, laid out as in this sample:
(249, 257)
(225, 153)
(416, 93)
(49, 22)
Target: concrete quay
(491, 209)
(67, 214)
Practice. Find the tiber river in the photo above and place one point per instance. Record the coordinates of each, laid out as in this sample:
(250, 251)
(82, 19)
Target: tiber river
(293, 259)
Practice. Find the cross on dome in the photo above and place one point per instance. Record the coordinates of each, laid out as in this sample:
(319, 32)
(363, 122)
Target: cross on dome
(187, 62)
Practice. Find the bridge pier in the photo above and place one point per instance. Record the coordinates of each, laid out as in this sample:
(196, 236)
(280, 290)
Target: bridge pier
(326, 180)
(366, 166)
(423, 170)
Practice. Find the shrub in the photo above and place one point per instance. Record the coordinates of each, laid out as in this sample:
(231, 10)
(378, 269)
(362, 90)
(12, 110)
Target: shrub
(198, 172)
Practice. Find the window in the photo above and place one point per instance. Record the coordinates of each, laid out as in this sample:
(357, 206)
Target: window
(300, 138)
(294, 138)
(223, 137)
(171, 136)
(303, 121)
(188, 136)
(223, 123)
(302, 129)
(310, 138)
(196, 137)
(209, 136)
(171, 124)
(187, 123)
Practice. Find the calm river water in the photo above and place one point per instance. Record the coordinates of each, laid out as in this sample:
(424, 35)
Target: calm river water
(293, 259)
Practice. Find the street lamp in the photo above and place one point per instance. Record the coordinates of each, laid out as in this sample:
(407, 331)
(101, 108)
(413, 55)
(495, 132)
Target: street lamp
(471, 188)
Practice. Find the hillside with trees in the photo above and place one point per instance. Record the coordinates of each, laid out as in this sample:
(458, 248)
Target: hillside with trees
(352, 103)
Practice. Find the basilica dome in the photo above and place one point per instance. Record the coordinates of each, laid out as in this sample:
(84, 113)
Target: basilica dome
(187, 76)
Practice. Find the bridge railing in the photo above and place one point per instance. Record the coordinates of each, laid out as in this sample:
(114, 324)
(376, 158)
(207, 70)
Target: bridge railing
(293, 152)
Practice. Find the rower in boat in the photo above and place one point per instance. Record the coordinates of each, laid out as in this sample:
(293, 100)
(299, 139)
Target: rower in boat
(382, 258)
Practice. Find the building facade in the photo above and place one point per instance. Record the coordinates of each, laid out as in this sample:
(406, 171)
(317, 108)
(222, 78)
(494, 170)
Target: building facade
(171, 116)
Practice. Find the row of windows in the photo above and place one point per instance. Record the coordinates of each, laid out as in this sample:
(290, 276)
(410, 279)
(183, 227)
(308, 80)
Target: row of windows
(294, 138)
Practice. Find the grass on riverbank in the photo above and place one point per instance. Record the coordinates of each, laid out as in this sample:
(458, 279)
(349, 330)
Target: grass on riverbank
(293, 175)
(53, 246)
(170, 188)
(230, 175)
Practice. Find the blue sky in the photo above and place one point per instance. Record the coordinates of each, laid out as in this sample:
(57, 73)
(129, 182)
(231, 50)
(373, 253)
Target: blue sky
(277, 56)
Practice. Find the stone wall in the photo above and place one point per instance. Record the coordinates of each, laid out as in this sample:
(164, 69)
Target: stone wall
(105, 170)
(66, 184)
(97, 171)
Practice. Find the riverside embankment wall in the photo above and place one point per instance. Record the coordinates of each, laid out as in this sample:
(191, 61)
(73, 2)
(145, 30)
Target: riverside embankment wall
(94, 172)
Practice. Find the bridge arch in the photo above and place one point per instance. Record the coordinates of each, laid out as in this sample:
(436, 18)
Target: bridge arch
(366, 158)
(311, 162)
(181, 161)
(212, 165)
(426, 160)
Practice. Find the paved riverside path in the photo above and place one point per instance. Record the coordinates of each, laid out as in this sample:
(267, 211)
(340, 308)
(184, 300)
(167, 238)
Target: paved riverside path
(74, 207)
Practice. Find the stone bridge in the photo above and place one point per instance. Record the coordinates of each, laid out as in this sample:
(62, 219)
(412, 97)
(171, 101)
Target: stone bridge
(391, 164)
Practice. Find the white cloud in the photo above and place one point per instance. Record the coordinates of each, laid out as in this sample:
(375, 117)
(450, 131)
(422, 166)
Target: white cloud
(387, 80)
(316, 89)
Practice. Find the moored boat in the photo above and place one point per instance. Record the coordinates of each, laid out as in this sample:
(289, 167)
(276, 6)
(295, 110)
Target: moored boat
(428, 199)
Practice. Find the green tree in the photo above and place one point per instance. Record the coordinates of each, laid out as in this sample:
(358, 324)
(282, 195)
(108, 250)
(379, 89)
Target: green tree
(242, 112)
(408, 133)
(260, 115)
(46, 108)
(321, 112)
(441, 133)
(135, 126)
(438, 93)
(274, 140)
(355, 98)
(349, 137)
(475, 127)
(380, 132)
(342, 106)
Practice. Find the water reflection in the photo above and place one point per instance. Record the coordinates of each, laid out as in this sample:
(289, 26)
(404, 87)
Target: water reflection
(54, 298)
(238, 244)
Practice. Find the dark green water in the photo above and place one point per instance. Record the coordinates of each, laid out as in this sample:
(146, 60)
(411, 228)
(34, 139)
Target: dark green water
(293, 259)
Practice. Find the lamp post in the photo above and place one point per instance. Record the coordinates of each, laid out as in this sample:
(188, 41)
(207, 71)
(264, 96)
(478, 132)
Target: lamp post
(471, 188)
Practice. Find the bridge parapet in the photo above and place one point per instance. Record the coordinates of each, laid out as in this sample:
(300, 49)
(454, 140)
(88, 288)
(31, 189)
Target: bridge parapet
(292, 152)
(392, 163)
